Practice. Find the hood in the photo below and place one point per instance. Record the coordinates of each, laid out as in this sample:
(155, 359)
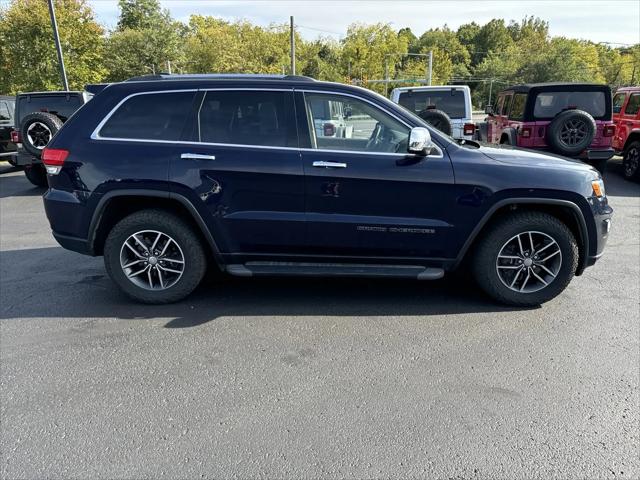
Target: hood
(520, 156)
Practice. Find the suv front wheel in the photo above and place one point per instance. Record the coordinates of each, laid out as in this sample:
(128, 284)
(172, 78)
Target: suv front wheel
(154, 257)
(526, 259)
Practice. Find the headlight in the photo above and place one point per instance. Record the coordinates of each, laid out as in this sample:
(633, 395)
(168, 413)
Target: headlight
(598, 188)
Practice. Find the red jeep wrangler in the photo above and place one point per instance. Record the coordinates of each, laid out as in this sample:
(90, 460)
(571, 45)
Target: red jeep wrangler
(626, 115)
(569, 119)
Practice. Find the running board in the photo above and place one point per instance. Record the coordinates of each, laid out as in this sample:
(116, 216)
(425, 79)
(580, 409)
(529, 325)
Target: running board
(255, 269)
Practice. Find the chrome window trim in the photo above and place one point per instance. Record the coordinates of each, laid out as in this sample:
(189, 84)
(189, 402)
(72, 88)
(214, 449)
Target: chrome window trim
(96, 132)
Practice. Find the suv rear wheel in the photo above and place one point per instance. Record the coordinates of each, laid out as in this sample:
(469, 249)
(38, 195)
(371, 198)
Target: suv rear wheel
(526, 259)
(154, 257)
(36, 174)
(631, 162)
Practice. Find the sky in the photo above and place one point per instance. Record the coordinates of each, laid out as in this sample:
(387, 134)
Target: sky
(616, 21)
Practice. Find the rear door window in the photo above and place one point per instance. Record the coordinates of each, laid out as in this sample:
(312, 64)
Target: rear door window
(517, 107)
(249, 117)
(153, 116)
(549, 104)
(449, 101)
(634, 104)
(62, 106)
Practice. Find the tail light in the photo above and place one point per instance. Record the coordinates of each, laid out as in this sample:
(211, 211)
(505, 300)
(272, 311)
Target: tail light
(15, 136)
(469, 128)
(53, 159)
(525, 132)
(609, 130)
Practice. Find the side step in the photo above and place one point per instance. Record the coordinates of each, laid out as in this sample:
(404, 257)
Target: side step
(255, 269)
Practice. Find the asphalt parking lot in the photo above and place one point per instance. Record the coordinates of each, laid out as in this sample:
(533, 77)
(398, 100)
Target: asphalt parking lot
(300, 378)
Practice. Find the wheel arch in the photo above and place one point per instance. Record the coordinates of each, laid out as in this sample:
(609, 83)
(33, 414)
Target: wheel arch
(565, 210)
(510, 135)
(634, 136)
(114, 206)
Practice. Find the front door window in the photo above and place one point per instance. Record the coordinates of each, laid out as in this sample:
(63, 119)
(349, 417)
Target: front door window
(345, 123)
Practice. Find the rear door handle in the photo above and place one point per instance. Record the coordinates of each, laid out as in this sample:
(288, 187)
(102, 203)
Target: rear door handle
(329, 165)
(197, 156)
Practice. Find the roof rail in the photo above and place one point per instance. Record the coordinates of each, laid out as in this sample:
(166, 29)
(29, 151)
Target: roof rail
(217, 76)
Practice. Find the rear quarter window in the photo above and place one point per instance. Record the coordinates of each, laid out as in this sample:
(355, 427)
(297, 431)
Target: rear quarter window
(150, 116)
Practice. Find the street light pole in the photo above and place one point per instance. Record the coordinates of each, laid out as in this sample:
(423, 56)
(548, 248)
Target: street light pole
(430, 65)
(293, 46)
(56, 38)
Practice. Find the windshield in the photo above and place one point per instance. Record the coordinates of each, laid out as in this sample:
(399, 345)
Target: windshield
(549, 104)
(449, 101)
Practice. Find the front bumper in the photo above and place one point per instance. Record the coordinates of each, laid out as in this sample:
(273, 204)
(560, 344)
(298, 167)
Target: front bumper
(602, 224)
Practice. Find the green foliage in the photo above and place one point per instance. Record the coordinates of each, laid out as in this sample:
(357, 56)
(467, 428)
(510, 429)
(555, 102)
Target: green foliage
(28, 58)
(146, 39)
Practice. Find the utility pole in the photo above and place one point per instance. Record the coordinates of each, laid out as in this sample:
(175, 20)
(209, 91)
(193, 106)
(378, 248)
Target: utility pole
(430, 66)
(386, 75)
(169, 67)
(293, 46)
(56, 38)
(490, 89)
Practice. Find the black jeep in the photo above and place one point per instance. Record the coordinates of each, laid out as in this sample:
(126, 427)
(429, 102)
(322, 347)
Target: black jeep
(38, 117)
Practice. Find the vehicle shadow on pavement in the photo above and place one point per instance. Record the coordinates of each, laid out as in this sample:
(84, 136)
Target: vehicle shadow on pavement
(615, 183)
(18, 186)
(52, 282)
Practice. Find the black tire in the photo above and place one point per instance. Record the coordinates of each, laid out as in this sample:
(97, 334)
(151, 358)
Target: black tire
(571, 132)
(484, 262)
(187, 240)
(631, 162)
(437, 119)
(37, 130)
(36, 174)
(600, 165)
(505, 140)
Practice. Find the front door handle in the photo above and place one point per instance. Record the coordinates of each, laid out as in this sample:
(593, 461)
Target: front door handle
(329, 165)
(197, 156)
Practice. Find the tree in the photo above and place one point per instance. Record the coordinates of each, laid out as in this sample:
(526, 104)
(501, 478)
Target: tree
(140, 14)
(146, 40)
(368, 48)
(28, 58)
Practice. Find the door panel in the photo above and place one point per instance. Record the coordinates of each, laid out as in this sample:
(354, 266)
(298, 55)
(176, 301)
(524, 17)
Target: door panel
(375, 203)
(252, 182)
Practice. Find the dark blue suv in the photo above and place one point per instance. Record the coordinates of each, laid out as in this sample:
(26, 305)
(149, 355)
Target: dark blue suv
(281, 175)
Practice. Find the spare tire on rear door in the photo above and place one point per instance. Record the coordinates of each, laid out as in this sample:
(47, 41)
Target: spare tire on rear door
(571, 132)
(438, 119)
(37, 130)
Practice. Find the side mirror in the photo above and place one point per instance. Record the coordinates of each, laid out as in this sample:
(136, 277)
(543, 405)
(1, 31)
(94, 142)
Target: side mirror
(488, 109)
(347, 112)
(420, 141)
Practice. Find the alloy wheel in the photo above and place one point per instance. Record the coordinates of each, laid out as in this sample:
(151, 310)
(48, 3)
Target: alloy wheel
(529, 262)
(152, 260)
(631, 162)
(573, 132)
(39, 135)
